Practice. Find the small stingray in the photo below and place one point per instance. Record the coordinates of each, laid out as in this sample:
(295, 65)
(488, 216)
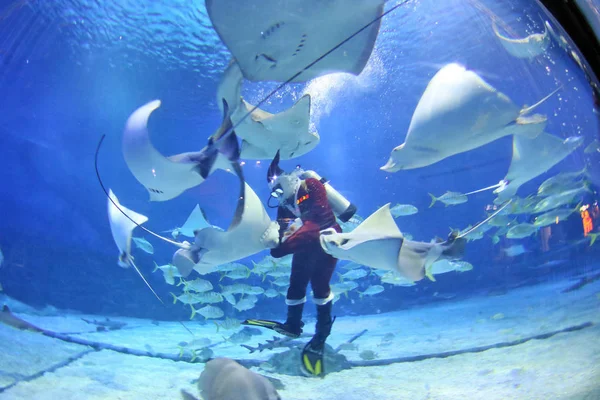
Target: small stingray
(243, 238)
(459, 112)
(122, 227)
(528, 47)
(195, 221)
(533, 157)
(167, 177)
(263, 133)
(286, 36)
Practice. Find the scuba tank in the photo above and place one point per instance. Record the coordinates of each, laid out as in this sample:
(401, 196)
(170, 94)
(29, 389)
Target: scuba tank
(341, 207)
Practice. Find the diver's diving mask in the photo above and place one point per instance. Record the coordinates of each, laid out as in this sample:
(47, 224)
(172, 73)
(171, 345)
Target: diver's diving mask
(284, 186)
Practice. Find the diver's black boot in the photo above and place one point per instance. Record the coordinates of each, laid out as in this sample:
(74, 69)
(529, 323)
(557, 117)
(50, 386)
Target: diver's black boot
(312, 355)
(292, 327)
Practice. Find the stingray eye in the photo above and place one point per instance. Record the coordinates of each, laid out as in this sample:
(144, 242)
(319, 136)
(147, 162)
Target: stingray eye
(344, 242)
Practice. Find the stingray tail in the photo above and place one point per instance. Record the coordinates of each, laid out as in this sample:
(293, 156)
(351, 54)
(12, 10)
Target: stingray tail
(531, 108)
(224, 141)
(144, 279)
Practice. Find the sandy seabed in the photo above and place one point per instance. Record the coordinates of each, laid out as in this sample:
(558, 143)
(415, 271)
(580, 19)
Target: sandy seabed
(563, 366)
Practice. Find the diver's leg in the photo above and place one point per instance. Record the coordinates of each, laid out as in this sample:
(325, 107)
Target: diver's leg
(312, 355)
(323, 298)
(296, 295)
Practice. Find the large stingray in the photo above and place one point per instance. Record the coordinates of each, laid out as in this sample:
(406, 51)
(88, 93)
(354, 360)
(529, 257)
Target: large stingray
(528, 47)
(459, 112)
(248, 234)
(263, 133)
(274, 39)
(378, 243)
(168, 177)
(533, 157)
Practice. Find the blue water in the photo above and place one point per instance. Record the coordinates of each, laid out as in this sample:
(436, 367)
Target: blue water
(71, 71)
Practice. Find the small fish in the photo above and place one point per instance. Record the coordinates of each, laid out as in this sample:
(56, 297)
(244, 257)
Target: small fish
(521, 231)
(230, 298)
(271, 293)
(501, 220)
(497, 317)
(210, 297)
(227, 324)
(281, 281)
(368, 355)
(279, 272)
(345, 286)
(463, 266)
(347, 347)
(593, 237)
(245, 304)
(495, 239)
(354, 274)
(170, 272)
(256, 290)
(239, 273)
(208, 312)
(239, 338)
(449, 199)
(372, 290)
(515, 250)
(186, 298)
(393, 278)
(237, 288)
(553, 217)
(440, 267)
(197, 285)
(562, 179)
(401, 210)
(143, 245)
(560, 199)
(200, 342)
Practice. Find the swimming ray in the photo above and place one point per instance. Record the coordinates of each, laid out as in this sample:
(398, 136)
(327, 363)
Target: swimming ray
(459, 112)
(378, 243)
(533, 157)
(243, 238)
(263, 133)
(527, 47)
(283, 37)
(167, 177)
(195, 221)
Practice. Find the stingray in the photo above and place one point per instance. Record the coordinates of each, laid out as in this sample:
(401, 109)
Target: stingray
(122, 223)
(246, 236)
(225, 379)
(167, 177)
(277, 39)
(378, 243)
(533, 157)
(459, 112)
(263, 133)
(194, 222)
(122, 227)
(528, 47)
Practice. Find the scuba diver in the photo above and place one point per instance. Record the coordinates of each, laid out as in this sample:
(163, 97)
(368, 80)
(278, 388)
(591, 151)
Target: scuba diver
(307, 205)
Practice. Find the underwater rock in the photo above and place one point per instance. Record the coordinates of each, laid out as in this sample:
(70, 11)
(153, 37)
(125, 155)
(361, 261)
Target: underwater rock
(288, 362)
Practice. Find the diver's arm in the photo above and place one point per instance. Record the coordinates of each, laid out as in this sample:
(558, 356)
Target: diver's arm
(302, 239)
